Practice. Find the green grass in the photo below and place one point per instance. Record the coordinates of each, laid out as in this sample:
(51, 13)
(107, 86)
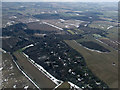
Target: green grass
(79, 31)
(113, 33)
(97, 35)
(70, 31)
(110, 14)
(100, 63)
(20, 50)
(100, 26)
(103, 25)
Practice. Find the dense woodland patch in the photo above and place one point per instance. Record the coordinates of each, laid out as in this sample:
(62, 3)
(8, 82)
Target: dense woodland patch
(94, 46)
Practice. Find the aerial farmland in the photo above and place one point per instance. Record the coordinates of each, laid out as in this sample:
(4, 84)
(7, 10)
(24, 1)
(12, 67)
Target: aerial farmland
(60, 45)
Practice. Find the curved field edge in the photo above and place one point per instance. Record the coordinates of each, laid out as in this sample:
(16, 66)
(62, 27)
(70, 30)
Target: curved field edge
(99, 63)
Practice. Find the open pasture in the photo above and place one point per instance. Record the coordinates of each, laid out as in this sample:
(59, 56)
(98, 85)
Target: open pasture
(101, 64)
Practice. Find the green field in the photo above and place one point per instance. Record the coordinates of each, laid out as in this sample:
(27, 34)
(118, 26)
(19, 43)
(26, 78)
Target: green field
(100, 63)
(97, 35)
(110, 14)
(103, 25)
(71, 32)
(113, 33)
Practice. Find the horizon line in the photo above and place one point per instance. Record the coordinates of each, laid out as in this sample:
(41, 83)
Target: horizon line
(57, 1)
(65, 1)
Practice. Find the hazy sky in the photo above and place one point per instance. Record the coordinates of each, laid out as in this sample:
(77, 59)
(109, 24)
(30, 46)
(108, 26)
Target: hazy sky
(59, 0)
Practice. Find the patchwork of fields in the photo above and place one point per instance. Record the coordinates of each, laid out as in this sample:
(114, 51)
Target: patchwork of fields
(76, 43)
